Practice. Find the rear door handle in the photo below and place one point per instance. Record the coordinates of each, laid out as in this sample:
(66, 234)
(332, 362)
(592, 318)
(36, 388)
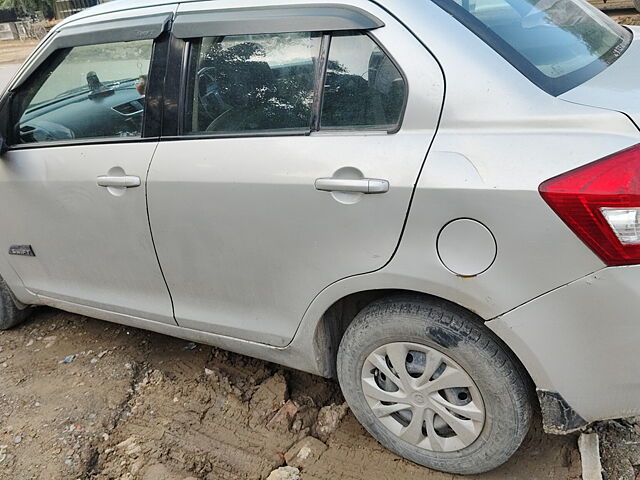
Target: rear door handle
(360, 185)
(125, 181)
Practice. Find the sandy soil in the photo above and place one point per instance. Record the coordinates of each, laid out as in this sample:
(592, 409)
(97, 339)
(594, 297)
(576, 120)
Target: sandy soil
(131, 404)
(15, 51)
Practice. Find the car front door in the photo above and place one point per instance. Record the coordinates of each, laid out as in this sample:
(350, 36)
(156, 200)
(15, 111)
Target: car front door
(72, 186)
(294, 161)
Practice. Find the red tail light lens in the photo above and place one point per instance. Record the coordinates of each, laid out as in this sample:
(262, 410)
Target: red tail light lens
(600, 202)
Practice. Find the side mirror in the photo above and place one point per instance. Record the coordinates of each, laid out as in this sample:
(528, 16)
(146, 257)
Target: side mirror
(4, 147)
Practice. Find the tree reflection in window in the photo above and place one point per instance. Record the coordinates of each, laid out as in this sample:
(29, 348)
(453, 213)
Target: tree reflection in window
(265, 82)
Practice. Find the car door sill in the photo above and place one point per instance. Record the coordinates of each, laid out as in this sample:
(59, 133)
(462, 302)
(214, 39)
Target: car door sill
(288, 356)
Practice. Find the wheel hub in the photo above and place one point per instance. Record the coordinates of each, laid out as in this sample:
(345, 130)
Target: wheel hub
(423, 396)
(418, 400)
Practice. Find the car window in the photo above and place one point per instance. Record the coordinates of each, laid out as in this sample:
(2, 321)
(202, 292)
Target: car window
(86, 92)
(363, 87)
(249, 83)
(557, 44)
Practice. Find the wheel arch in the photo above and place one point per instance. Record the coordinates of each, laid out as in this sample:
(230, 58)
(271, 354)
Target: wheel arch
(336, 318)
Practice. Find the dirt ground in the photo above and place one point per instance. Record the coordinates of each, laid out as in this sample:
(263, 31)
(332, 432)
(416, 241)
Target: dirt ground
(85, 399)
(130, 404)
(15, 51)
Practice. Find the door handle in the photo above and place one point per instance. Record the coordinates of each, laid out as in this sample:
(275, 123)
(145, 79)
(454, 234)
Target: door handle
(360, 185)
(124, 181)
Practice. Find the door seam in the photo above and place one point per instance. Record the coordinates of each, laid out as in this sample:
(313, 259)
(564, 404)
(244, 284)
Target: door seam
(153, 243)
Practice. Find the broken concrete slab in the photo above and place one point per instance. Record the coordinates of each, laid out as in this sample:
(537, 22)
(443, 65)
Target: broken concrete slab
(589, 446)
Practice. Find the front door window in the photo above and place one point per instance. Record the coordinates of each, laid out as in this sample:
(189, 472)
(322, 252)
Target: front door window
(86, 92)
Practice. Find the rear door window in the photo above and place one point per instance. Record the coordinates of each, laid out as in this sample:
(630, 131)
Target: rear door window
(363, 87)
(251, 83)
(557, 44)
(247, 84)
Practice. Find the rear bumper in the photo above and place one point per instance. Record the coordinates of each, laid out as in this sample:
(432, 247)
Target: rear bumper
(582, 341)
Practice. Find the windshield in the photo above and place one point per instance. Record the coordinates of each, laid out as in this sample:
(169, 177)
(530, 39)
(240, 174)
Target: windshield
(557, 44)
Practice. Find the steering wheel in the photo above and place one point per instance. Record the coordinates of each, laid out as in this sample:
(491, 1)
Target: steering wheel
(209, 93)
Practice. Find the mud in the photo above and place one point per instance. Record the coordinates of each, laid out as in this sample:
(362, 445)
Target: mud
(131, 405)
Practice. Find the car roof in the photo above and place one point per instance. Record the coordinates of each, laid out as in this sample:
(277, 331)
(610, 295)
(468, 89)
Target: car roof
(123, 5)
(118, 6)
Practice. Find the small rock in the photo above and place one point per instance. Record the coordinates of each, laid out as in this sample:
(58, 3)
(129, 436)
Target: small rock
(130, 447)
(5, 364)
(190, 346)
(3, 453)
(208, 371)
(128, 366)
(103, 353)
(284, 416)
(285, 473)
(17, 439)
(29, 343)
(68, 359)
(49, 341)
(267, 399)
(105, 436)
(329, 418)
(94, 361)
(304, 453)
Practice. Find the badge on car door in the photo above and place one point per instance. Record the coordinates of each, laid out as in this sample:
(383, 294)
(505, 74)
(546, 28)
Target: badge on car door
(24, 250)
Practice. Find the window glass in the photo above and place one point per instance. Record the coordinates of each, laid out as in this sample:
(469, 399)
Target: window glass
(363, 87)
(249, 83)
(562, 42)
(86, 92)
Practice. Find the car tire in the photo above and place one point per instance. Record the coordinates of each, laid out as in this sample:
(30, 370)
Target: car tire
(12, 312)
(436, 330)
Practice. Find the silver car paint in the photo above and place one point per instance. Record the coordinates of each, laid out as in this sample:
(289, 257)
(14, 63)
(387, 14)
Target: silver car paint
(91, 246)
(245, 240)
(583, 338)
(499, 137)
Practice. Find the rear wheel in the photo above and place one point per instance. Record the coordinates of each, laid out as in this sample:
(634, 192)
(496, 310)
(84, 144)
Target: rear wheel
(434, 385)
(12, 312)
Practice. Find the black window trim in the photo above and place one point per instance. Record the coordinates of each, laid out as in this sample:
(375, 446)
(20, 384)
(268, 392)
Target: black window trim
(315, 126)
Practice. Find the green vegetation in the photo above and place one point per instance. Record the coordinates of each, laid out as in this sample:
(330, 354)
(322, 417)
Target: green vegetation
(28, 6)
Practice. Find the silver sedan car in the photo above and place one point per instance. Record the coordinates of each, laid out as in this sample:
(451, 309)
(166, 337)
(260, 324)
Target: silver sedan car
(437, 202)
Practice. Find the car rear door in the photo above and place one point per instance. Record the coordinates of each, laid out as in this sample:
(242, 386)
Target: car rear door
(291, 160)
(74, 216)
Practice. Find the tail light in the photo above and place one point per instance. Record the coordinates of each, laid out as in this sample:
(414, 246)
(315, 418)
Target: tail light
(600, 202)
